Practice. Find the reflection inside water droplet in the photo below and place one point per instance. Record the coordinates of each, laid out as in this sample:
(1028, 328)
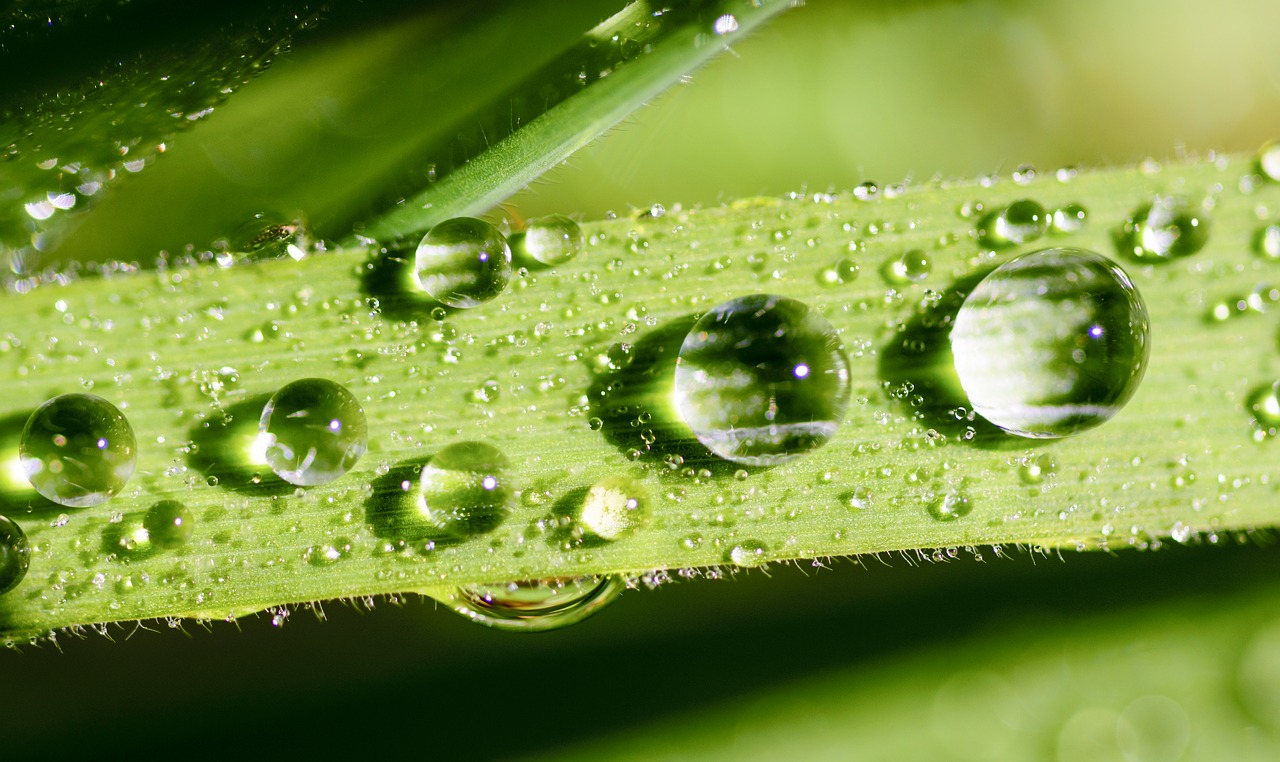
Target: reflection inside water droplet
(78, 450)
(535, 605)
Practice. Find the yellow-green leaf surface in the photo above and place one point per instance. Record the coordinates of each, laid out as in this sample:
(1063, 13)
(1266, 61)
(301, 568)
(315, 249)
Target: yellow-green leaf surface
(569, 373)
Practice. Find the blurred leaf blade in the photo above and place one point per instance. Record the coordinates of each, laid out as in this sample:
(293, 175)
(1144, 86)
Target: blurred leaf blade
(92, 93)
(617, 67)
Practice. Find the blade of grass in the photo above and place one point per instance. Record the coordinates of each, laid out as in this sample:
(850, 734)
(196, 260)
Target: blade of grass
(181, 348)
(617, 67)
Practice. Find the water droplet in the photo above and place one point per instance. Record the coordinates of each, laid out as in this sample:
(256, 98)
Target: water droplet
(866, 191)
(312, 431)
(78, 450)
(551, 240)
(169, 524)
(762, 379)
(268, 236)
(951, 506)
(912, 267)
(1268, 241)
(1035, 469)
(1269, 160)
(1024, 174)
(858, 498)
(535, 605)
(1069, 219)
(1021, 222)
(463, 262)
(15, 554)
(1051, 343)
(1264, 405)
(465, 489)
(614, 507)
(1167, 228)
(748, 554)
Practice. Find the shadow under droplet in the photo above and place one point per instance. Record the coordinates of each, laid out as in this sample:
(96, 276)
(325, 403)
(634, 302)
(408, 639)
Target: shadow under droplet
(393, 513)
(223, 449)
(388, 277)
(565, 513)
(918, 362)
(636, 407)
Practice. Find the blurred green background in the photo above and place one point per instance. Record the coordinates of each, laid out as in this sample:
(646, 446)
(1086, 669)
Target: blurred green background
(1166, 655)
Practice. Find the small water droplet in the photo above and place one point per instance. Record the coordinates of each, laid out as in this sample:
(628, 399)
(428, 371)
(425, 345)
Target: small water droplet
(748, 554)
(762, 379)
(912, 266)
(535, 605)
(551, 240)
(169, 524)
(867, 191)
(465, 489)
(1034, 469)
(268, 236)
(78, 450)
(1166, 228)
(463, 262)
(1023, 221)
(1051, 343)
(614, 507)
(1069, 218)
(1024, 174)
(858, 498)
(950, 506)
(15, 554)
(312, 431)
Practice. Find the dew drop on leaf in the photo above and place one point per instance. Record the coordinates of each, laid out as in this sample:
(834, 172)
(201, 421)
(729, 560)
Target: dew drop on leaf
(1051, 343)
(1167, 228)
(465, 489)
(15, 554)
(463, 262)
(78, 450)
(762, 379)
(535, 605)
(312, 431)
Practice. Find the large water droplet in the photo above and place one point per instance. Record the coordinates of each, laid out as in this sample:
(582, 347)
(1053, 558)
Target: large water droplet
(465, 489)
(463, 262)
(535, 605)
(614, 507)
(1051, 343)
(15, 554)
(169, 524)
(312, 431)
(762, 379)
(1167, 228)
(78, 450)
(950, 506)
(551, 240)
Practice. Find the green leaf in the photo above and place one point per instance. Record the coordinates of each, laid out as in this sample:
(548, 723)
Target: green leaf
(191, 354)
